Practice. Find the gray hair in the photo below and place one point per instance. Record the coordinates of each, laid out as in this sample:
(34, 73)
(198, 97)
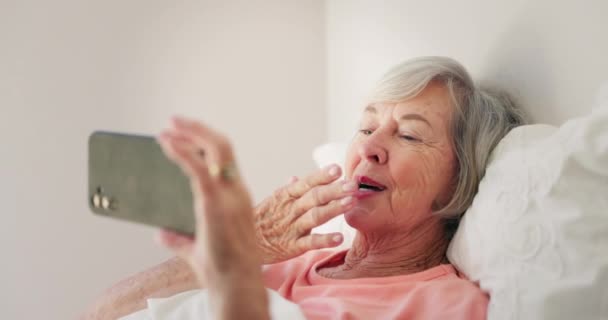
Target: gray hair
(481, 118)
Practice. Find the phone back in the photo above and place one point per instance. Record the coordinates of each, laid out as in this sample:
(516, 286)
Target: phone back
(130, 178)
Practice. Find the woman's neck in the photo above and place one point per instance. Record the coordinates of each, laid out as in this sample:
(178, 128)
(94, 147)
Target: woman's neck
(394, 253)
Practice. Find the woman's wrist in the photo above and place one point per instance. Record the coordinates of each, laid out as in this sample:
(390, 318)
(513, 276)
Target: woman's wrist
(240, 296)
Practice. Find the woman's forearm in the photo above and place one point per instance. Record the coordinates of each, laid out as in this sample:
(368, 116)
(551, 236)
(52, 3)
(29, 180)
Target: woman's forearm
(130, 295)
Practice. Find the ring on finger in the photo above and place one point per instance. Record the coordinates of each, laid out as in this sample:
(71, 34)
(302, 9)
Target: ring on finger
(227, 172)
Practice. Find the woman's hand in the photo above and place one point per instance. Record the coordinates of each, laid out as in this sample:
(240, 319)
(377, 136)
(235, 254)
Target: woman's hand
(284, 220)
(223, 255)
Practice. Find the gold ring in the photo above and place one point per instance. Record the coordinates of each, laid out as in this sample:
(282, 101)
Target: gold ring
(227, 172)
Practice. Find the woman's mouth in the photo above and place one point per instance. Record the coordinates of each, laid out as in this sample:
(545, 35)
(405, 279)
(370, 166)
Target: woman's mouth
(368, 187)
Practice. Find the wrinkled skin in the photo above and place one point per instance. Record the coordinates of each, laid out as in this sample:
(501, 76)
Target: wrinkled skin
(285, 219)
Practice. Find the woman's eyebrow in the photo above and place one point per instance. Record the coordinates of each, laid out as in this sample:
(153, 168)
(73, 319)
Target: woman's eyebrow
(409, 116)
(415, 116)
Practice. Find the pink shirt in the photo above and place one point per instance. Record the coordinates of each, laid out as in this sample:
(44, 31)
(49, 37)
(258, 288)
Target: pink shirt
(436, 293)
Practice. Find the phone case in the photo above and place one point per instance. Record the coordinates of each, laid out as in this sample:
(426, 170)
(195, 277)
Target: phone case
(130, 178)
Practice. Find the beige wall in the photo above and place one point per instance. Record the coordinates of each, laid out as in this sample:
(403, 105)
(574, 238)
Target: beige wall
(254, 69)
(553, 55)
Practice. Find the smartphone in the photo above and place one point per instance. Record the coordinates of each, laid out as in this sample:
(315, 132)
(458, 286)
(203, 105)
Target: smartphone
(130, 178)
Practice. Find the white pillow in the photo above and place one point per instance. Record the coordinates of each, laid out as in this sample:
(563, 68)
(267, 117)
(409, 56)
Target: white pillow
(536, 235)
(325, 155)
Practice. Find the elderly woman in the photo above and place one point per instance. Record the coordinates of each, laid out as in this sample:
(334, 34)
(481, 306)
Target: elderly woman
(411, 171)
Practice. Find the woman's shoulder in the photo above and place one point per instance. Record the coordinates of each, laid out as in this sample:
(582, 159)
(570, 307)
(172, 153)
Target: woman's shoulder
(449, 277)
(453, 288)
(451, 294)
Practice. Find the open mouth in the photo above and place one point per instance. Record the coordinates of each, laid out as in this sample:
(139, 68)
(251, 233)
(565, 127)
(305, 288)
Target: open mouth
(368, 184)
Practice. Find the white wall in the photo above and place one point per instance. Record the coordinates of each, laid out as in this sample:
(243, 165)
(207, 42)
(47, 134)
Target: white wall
(551, 54)
(254, 69)
(258, 70)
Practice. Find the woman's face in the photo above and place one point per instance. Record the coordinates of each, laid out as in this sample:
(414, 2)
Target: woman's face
(402, 156)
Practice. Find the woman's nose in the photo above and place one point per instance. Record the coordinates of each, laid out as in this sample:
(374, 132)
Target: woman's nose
(373, 152)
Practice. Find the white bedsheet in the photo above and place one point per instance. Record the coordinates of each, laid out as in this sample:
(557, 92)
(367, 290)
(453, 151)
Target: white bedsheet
(194, 304)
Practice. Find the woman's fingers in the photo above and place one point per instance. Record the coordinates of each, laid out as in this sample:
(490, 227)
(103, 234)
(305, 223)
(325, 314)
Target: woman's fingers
(216, 147)
(321, 214)
(320, 177)
(165, 138)
(186, 155)
(322, 195)
(319, 241)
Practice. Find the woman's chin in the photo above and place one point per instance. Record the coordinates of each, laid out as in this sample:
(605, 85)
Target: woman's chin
(357, 217)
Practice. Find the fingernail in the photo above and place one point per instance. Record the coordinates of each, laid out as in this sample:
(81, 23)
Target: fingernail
(333, 170)
(350, 186)
(346, 200)
(337, 238)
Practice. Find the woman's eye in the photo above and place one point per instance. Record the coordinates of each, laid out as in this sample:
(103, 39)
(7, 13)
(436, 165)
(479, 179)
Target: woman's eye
(366, 132)
(409, 138)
